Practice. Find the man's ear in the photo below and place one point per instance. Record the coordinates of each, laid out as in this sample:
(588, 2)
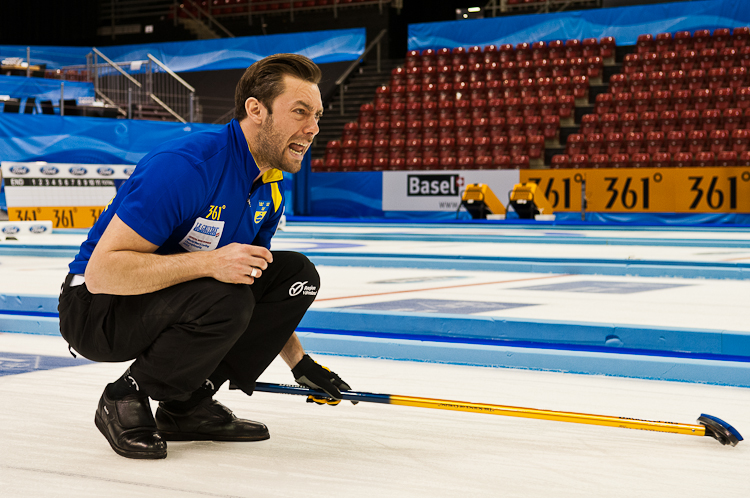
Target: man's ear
(255, 110)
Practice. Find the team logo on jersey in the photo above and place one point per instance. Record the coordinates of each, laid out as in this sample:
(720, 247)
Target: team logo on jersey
(78, 170)
(49, 170)
(260, 213)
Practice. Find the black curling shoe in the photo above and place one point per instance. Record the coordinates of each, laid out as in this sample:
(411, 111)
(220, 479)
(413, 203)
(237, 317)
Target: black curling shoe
(209, 421)
(129, 427)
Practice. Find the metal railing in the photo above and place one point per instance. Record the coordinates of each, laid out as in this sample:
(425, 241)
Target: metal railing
(143, 89)
(199, 13)
(342, 79)
(540, 6)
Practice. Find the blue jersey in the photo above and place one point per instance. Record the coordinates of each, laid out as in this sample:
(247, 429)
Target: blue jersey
(195, 193)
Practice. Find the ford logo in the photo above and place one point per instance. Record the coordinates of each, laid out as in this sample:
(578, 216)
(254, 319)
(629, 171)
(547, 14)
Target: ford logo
(105, 171)
(11, 230)
(78, 170)
(129, 171)
(37, 229)
(49, 170)
(19, 170)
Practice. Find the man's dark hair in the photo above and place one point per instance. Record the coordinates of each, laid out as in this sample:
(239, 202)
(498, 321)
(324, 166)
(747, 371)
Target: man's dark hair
(264, 80)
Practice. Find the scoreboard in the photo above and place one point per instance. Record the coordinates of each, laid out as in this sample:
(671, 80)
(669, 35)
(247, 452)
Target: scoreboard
(69, 195)
(646, 190)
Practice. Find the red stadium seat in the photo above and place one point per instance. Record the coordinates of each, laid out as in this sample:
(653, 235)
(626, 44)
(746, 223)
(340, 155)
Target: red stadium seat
(517, 145)
(650, 62)
(661, 100)
(744, 158)
(641, 101)
(682, 160)
(664, 42)
(574, 144)
(560, 161)
(707, 58)
(711, 119)
(535, 146)
(519, 162)
(603, 103)
(733, 119)
(630, 64)
(737, 77)
(661, 160)
(579, 161)
(640, 160)
(589, 123)
(610, 123)
(689, 120)
(550, 127)
(607, 47)
(721, 38)
(565, 104)
(590, 48)
(687, 60)
(644, 44)
(657, 80)
(593, 143)
(629, 122)
(573, 48)
(715, 77)
(726, 158)
(696, 141)
(676, 80)
(638, 82)
(669, 61)
(675, 141)
(683, 40)
(599, 161)
(654, 142)
(696, 79)
(648, 121)
(702, 99)
(619, 161)
(633, 142)
(718, 141)
(623, 102)
(613, 143)
(701, 39)
(740, 139)
(704, 159)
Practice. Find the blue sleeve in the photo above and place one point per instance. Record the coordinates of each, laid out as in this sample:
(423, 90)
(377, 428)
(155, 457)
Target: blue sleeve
(166, 190)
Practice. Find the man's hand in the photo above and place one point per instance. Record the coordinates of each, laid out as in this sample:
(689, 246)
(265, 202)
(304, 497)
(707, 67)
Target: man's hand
(239, 263)
(308, 373)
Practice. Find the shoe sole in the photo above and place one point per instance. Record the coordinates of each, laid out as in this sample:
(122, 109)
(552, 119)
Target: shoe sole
(140, 455)
(195, 436)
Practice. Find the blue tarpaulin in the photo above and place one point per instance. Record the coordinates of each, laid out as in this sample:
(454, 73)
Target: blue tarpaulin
(84, 140)
(623, 23)
(204, 55)
(43, 89)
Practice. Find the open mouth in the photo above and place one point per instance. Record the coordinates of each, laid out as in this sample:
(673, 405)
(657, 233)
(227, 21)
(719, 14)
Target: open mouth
(298, 148)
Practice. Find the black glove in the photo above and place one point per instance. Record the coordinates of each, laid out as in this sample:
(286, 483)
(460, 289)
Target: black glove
(310, 374)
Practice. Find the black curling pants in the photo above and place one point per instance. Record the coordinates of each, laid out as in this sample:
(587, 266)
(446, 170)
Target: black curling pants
(181, 335)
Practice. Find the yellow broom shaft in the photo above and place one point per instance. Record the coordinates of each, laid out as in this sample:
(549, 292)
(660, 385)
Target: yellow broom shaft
(578, 418)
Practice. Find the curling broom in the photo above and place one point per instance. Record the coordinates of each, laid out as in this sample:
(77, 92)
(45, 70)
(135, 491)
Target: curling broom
(707, 425)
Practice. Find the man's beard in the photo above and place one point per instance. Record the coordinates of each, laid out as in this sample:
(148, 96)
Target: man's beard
(270, 148)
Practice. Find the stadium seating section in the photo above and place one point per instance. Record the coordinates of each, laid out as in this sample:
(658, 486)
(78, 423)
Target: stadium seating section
(681, 99)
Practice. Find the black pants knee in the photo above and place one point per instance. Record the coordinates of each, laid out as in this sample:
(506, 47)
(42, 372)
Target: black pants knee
(181, 335)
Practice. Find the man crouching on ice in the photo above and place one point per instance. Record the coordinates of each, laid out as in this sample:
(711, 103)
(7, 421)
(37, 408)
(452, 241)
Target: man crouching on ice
(177, 273)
